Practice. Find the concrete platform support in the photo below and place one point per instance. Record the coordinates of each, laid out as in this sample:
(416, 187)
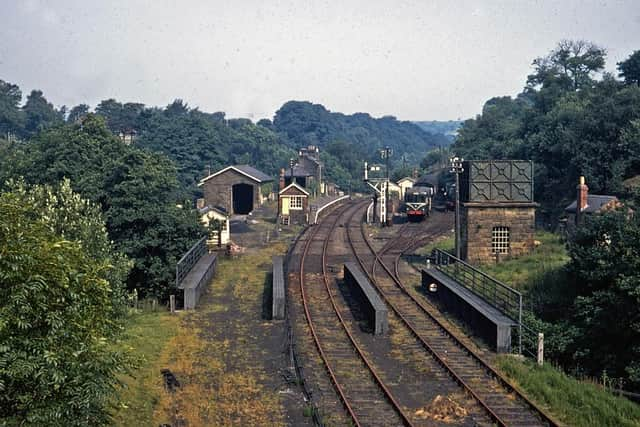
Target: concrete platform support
(372, 305)
(197, 280)
(484, 319)
(278, 303)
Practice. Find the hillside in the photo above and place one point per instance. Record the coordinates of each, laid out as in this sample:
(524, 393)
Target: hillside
(305, 123)
(448, 128)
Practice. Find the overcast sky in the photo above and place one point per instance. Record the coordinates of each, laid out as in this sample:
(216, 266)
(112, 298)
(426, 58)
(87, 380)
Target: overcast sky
(416, 60)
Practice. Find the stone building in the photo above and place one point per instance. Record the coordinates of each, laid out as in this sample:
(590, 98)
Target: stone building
(236, 189)
(497, 211)
(308, 171)
(588, 204)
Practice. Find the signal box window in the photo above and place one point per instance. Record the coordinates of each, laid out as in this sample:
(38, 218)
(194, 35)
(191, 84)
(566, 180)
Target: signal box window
(500, 240)
(295, 202)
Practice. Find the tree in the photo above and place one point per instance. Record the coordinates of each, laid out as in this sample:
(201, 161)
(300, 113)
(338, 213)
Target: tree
(570, 65)
(40, 113)
(11, 118)
(61, 304)
(630, 68)
(136, 190)
(605, 264)
(77, 113)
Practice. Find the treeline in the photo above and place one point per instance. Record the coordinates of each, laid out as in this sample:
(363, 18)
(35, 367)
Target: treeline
(137, 192)
(567, 122)
(572, 124)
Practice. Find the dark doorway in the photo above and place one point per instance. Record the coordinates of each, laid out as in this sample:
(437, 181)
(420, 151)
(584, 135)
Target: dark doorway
(242, 199)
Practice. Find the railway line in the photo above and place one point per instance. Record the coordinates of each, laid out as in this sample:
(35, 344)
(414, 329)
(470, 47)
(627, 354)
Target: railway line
(365, 397)
(501, 400)
(362, 373)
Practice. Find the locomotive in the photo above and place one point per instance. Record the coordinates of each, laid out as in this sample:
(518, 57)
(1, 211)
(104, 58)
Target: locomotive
(417, 201)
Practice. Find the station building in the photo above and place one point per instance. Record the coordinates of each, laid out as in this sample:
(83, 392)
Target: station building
(237, 189)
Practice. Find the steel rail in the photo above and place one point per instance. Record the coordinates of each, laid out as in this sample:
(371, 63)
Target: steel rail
(317, 342)
(426, 345)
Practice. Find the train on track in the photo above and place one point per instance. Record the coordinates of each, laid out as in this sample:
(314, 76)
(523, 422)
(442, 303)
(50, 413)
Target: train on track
(417, 201)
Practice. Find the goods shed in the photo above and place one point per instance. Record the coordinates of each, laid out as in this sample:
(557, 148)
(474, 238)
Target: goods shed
(237, 189)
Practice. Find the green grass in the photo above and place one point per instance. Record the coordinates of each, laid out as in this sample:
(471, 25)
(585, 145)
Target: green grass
(524, 271)
(446, 243)
(147, 335)
(576, 403)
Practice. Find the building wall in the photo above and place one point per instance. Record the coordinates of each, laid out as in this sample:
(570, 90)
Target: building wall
(476, 228)
(218, 191)
(296, 216)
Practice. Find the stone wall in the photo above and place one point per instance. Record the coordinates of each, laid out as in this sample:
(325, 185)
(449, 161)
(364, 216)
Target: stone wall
(218, 191)
(476, 227)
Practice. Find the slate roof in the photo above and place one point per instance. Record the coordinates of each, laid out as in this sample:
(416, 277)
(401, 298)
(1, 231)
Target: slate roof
(293, 185)
(218, 209)
(594, 203)
(246, 170)
(299, 170)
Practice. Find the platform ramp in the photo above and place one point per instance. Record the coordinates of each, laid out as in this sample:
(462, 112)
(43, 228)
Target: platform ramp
(490, 308)
(278, 301)
(194, 271)
(370, 302)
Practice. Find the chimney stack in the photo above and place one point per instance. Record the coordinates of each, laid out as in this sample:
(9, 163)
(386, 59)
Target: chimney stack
(199, 203)
(281, 183)
(414, 173)
(581, 200)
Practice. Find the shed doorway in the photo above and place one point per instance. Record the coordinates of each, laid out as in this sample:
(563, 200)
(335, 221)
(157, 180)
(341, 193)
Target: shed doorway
(242, 198)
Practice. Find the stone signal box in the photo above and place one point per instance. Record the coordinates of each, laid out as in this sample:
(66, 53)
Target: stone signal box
(497, 211)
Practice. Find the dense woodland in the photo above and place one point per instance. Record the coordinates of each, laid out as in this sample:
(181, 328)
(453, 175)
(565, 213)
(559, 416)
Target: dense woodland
(572, 119)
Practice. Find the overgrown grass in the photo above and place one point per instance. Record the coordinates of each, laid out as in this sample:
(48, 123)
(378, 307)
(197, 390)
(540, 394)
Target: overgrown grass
(446, 243)
(147, 334)
(523, 272)
(573, 402)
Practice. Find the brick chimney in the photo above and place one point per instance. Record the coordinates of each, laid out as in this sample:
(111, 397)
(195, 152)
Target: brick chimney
(414, 173)
(581, 200)
(281, 183)
(199, 203)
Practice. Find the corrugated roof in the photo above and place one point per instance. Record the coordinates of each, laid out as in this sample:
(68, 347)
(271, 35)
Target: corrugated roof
(595, 202)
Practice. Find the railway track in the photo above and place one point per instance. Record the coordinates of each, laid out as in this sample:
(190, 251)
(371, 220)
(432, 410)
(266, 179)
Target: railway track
(501, 401)
(365, 397)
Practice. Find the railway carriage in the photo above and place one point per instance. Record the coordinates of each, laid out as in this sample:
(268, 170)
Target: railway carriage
(417, 201)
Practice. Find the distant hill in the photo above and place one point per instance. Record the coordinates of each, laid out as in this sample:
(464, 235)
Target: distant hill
(305, 123)
(448, 128)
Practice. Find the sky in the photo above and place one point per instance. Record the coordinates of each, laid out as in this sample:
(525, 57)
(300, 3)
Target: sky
(416, 60)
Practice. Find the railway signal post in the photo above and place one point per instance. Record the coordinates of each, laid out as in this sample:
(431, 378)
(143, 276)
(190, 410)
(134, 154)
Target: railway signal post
(457, 169)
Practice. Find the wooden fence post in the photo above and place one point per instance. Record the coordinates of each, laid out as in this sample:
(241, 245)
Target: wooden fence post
(540, 348)
(172, 303)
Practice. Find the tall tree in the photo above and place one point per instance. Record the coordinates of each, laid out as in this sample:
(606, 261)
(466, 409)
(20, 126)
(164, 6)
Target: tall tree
(11, 118)
(40, 113)
(630, 68)
(77, 113)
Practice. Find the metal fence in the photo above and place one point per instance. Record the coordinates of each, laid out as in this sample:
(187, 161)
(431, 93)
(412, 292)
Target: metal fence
(189, 259)
(504, 298)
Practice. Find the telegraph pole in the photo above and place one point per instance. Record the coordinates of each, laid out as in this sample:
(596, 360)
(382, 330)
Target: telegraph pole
(457, 169)
(291, 163)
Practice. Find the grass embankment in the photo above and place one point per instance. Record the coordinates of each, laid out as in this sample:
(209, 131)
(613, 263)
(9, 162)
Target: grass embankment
(523, 272)
(147, 335)
(220, 352)
(574, 402)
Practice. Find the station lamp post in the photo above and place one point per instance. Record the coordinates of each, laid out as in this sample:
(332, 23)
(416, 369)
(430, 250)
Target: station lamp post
(457, 169)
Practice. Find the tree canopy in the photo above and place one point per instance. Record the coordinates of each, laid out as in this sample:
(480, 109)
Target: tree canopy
(61, 304)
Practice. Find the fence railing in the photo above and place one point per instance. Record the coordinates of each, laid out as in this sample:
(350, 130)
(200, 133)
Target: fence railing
(504, 298)
(189, 259)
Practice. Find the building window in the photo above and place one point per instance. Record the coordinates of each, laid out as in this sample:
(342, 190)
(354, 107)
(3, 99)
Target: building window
(295, 202)
(500, 240)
